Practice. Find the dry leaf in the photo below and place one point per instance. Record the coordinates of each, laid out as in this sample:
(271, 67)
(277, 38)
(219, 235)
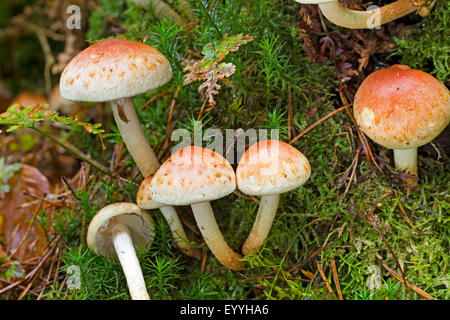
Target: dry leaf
(17, 217)
(210, 70)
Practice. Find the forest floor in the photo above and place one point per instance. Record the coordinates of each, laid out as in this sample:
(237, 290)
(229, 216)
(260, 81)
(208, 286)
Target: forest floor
(355, 230)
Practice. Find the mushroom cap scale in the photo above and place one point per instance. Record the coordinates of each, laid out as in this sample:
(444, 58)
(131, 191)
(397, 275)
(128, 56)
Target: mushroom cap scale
(192, 175)
(402, 108)
(271, 167)
(144, 198)
(114, 69)
(139, 222)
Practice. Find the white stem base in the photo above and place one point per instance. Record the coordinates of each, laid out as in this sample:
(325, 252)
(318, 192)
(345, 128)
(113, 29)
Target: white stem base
(129, 261)
(406, 160)
(130, 129)
(178, 233)
(263, 222)
(206, 222)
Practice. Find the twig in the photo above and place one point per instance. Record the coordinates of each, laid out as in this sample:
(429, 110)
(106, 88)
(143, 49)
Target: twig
(336, 279)
(324, 277)
(409, 285)
(317, 123)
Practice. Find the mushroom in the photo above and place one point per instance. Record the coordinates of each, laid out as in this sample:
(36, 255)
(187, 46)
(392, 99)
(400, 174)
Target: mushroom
(354, 19)
(402, 109)
(144, 201)
(267, 169)
(195, 176)
(27, 99)
(116, 70)
(114, 232)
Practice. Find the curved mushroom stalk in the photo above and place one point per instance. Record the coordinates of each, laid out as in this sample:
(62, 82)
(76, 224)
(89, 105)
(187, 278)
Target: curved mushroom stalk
(354, 19)
(195, 176)
(123, 244)
(178, 233)
(263, 223)
(267, 169)
(207, 224)
(131, 131)
(144, 200)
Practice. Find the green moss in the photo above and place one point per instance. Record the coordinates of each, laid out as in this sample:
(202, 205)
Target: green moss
(269, 70)
(427, 45)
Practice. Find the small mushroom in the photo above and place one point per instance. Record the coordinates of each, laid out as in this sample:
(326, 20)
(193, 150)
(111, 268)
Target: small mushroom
(354, 19)
(195, 176)
(27, 99)
(116, 70)
(114, 232)
(144, 201)
(402, 109)
(267, 169)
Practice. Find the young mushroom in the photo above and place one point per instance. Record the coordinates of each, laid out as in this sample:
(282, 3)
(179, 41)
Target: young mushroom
(195, 176)
(116, 70)
(114, 232)
(144, 201)
(27, 99)
(354, 19)
(402, 109)
(267, 169)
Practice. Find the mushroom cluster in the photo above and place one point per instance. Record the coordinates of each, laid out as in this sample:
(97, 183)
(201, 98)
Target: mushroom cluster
(397, 107)
(114, 71)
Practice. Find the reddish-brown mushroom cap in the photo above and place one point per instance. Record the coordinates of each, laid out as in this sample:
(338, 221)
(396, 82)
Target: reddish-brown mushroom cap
(271, 167)
(114, 69)
(27, 99)
(402, 108)
(191, 175)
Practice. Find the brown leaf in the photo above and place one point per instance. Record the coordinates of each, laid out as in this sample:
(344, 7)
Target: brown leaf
(17, 216)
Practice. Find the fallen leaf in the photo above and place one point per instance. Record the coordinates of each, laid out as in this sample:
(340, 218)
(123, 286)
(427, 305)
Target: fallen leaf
(17, 218)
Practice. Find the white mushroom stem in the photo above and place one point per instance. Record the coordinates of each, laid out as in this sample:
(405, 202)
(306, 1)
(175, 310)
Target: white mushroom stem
(261, 227)
(354, 19)
(131, 131)
(123, 245)
(178, 233)
(206, 222)
(406, 160)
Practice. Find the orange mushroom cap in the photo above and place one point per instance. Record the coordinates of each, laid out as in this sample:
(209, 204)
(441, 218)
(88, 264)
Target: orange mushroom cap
(114, 69)
(402, 108)
(271, 167)
(192, 175)
(27, 99)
